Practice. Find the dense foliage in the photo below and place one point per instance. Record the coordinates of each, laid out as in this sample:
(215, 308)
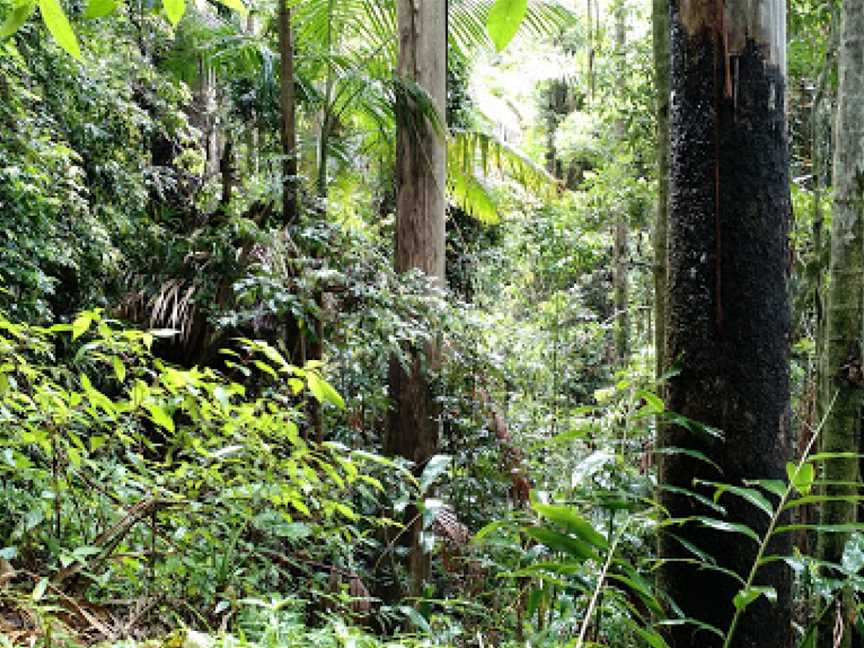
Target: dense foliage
(193, 394)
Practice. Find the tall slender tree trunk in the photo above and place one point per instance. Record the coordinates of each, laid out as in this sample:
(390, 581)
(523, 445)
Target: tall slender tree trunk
(662, 62)
(288, 118)
(845, 365)
(420, 220)
(728, 309)
(620, 248)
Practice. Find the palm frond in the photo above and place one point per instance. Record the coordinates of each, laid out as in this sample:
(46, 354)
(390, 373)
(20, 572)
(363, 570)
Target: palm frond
(470, 153)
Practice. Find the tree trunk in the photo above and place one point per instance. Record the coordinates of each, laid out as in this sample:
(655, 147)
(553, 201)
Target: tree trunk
(844, 377)
(660, 29)
(620, 247)
(420, 218)
(288, 118)
(728, 317)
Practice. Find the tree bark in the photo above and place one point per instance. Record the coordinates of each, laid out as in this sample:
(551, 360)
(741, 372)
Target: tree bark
(662, 62)
(420, 220)
(620, 248)
(845, 317)
(288, 117)
(728, 317)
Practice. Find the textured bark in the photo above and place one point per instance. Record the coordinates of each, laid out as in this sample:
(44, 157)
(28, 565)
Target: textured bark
(288, 117)
(728, 315)
(845, 317)
(420, 219)
(662, 62)
(621, 267)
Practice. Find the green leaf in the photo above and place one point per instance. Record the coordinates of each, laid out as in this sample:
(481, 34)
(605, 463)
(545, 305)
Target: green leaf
(801, 477)
(236, 5)
(434, 468)
(83, 321)
(504, 20)
(119, 368)
(652, 638)
(573, 522)
(489, 528)
(323, 391)
(751, 495)
(174, 10)
(746, 596)
(160, 416)
(563, 543)
(20, 13)
(57, 23)
(774, 486)
(100, 8)
(39, 590)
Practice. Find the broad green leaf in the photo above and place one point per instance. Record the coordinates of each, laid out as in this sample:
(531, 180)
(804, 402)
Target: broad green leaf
(801, 477)
(563, 543)
(20, 13)
(57, 23)
(504, 20)
(434, 468)
(653, 403)
(160, 416)
(100, 8)
(81, 324)
(174, 10)
(746, 596)
(573, 522)
(323, 391)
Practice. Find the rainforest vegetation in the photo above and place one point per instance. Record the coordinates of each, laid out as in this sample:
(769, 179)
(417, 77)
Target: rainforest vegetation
(367, 323)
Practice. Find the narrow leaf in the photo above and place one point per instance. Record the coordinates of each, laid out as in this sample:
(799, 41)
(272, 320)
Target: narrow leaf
(57, 23)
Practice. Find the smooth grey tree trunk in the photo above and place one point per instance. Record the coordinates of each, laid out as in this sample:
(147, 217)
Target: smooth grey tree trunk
(728, 320)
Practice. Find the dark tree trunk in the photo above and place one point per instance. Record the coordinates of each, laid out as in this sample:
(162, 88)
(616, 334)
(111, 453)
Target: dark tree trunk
(288, 119)
(728, 310)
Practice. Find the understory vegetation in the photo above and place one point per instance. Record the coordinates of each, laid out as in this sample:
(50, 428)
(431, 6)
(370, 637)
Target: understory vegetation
(198, 376)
